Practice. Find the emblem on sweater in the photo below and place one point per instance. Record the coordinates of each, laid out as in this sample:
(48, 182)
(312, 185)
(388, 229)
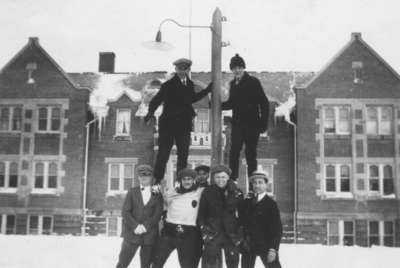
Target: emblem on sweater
(194, 203)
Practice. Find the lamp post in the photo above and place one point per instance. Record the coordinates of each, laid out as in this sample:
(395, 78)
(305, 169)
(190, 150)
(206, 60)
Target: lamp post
(216, 76)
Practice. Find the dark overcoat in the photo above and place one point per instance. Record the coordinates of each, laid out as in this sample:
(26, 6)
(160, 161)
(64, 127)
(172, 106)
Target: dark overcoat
(134, 212)
(177, 102)
(220, 210)
(249, 104)
(262, 224)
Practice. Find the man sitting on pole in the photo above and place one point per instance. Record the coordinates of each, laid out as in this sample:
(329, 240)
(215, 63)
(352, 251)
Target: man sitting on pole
(250, 108)
(175, 123)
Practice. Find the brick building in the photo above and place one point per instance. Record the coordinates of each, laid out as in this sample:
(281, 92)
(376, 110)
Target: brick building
(348, 151)
(42, 119)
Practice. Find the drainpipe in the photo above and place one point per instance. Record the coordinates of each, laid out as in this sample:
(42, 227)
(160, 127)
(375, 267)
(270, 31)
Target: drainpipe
(85, 173)
(295, 185)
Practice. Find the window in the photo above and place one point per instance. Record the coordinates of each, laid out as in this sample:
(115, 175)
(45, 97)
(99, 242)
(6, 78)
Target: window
(49, 119)
(9, 176)
(201, 121)
(381, 233)
(7, 224)
(10, 118)
(380, 177)
(341, 233)
(337, 120)
(120, 178)
(337, 180)
(357, 67)
(114, 226)
(379, 120)
(123, 127)
(40, 225)
(46, 177)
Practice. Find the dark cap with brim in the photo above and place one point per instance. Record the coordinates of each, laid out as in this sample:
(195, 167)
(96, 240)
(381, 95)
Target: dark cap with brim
(183, 63)
(219, 169)
(186, 172)
(144, 170)
(203, 168)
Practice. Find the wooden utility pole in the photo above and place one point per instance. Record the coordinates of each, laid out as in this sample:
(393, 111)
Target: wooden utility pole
(216, 129)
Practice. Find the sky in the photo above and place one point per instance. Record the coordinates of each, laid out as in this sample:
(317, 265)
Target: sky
(271, 35)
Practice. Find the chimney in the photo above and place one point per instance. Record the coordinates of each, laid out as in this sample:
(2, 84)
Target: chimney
(106, 62)
(356, 35)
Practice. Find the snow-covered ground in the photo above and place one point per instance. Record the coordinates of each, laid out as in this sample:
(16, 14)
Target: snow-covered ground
(98, 252)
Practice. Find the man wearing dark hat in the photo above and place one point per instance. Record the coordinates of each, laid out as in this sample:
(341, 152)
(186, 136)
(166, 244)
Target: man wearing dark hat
(203, 173)
(250, 108)
(141, 214)
(263, 227)
(180, 230)
(175, 123)
(220, 219)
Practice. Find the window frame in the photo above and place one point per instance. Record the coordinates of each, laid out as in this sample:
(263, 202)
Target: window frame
(40, 224)
(3, 224)
(7, 174)
(116, 232)
(202, 122)
(118, 112)
(340, 232)
(11, 109)
(381, 178)
(338, 193)
(337, 120)
(49, 119)
(381, 233)
(379, 120)
(45, 189)
(121, 174)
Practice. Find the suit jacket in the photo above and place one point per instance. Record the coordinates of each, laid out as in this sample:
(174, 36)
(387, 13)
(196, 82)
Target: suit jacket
(177, 100)
(220, 211)
(134, 212)
(262, 224)
(249, 104)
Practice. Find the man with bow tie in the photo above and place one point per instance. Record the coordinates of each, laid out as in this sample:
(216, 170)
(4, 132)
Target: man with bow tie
(141, 214)
(250, 108)
(262, 225)
(175, 123)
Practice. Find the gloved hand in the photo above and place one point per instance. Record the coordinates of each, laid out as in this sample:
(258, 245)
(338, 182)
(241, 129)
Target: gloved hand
(271, 255)
(148, 117)
(207, 233)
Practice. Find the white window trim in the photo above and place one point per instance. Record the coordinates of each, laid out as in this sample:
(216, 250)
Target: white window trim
(121, 177)
(197, 120)
(6, 188)
(10, 119)
(118, 134)
(337, 120)
(40, 223)
(48, 119)
(45, 189)
(3, 220)
(119, 225)
(337, 193)
(379, 120)
(381, 232)
(380, 174)
(341, 233)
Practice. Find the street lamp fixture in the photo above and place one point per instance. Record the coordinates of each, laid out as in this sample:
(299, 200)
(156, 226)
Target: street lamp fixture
(216, 76)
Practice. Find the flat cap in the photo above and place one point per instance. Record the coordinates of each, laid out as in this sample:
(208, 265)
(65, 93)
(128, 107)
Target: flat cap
(144, 170)
(183, 62)
(258, 174)
(186, 172)
(220, 168)
(203, 168)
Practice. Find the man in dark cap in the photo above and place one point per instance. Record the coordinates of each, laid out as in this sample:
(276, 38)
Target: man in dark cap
(220, 219)
(141, 214)
(180, 230)
(203, 173)
(175, 123)
(263, 227)
(250, 108)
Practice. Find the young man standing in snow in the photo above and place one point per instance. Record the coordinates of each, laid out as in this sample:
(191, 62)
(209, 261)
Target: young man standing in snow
(141, 214)
(175, 123)
(263, 227)
(250, 108)
(180, 230)
(219, 219)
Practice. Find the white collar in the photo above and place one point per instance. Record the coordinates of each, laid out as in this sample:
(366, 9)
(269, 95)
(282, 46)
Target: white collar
(261, 196)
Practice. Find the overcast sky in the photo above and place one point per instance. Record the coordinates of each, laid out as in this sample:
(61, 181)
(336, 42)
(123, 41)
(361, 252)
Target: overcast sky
(271, 35)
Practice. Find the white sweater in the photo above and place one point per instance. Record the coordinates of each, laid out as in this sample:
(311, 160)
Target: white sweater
(183, 208)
